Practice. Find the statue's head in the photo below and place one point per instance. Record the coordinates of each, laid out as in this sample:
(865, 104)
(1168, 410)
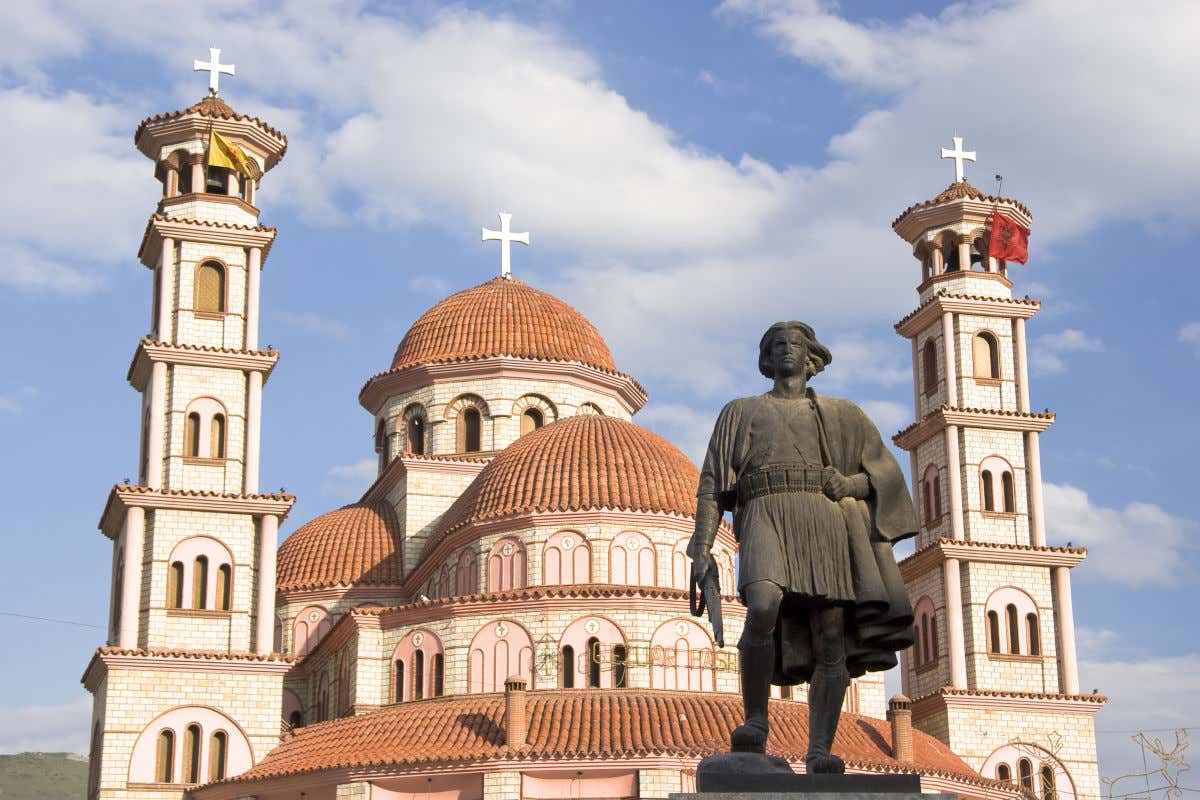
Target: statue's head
(787, 345)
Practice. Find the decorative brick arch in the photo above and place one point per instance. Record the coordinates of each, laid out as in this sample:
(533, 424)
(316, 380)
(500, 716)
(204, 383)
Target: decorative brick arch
(545, 409)
(309, 627)
(507, 565)
(413, 425)
(238, 755)
(682, 657)
(500, 649)
(566, 559)
(632, 560)
(423, 658)
(592, 640)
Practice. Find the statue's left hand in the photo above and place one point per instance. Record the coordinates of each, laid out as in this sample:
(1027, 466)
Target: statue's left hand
(837, 486)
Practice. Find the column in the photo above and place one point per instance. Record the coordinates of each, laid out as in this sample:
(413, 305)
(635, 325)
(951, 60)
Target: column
(198, 178)
(253, 278)
(251, 185)
(1033, 474)
(954, 624)
(253, 432)
(1022, 364)
(954, 478)
(133, 534)
(964, 256)
(1066, 631)
(268, 543)
(166, 278)
(949, 357)
(938, 262)
(158, 418)
(231, 187)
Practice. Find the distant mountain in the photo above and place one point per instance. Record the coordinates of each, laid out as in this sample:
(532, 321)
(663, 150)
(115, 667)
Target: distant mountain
(43, 776)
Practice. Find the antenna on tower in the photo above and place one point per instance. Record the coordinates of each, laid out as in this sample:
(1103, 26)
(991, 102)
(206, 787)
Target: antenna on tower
(999, 183)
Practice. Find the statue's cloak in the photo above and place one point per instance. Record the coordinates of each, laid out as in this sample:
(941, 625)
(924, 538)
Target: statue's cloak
(879, 620)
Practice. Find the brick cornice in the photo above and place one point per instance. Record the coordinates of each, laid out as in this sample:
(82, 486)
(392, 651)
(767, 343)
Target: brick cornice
(932, 309)
(388, 384)
(124, 496)
(161, 226)
(949, 699)
(107, 658)
(925, 559)
(148, 351)
(993, 419)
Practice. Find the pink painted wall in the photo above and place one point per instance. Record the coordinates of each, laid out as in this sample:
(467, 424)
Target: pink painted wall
(567, 559)
(434, 787)
(506, 565)
(681, 656)
(217, 554)
(429, 645)
(577, 635)
(311, 624)
(467, 576)
(500, 649)
(631, 560)
(588, 783)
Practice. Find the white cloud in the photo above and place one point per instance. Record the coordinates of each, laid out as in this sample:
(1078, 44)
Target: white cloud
(62, 728)
(1138, 545)
(1189, 334)
(1047, 351)
(314, 323)
(889, 417)
(687, 428)
(349, 481)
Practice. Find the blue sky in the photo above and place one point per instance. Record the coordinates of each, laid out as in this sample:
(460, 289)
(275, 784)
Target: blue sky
(689, 174)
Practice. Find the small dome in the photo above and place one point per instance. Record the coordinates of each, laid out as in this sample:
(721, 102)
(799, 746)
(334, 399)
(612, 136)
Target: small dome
(579, 464)
(503, 317)
(357, 544)
(961, 190)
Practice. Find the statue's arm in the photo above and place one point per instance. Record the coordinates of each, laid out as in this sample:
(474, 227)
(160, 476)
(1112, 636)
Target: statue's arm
(708, 519)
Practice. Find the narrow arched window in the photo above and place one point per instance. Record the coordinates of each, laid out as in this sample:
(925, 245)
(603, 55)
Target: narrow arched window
(1025, 769)
(929, 368)
(164, 757)
(989, 498)
(418, 691)
(218, 754)
(531, 420)
(933, 640)
(216, 444)
(568, 667)
(1048, 788)
(439, 674)
(1031, 628)
(993, 621)
(1003, 772)
(916, 645)
(175, 585)
(986, 355)
(200, 582)
(416, 436)
(593, 652)
(469, 425)
(210, 287)
(224, 587)
(399, 681)
(937, 496)
(191, 754)
(1006, 484)
(620, 672)
(1014, 633)
(927, 497)
(191, 435)
(926, 649)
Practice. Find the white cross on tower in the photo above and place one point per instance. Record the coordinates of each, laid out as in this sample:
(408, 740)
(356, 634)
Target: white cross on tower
(506, 238)
(214, 67)
(959, 157)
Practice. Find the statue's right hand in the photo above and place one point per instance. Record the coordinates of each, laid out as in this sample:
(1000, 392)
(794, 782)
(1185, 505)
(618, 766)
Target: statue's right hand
(700, 567)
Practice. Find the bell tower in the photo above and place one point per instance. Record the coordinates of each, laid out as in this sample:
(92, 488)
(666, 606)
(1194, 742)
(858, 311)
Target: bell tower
(188, 688)
(993, 672)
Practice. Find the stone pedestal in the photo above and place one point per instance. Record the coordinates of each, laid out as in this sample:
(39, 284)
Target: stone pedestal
(735, 776)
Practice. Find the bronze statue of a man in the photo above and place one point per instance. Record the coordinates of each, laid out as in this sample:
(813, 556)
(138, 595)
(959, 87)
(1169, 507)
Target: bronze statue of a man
(817, 502)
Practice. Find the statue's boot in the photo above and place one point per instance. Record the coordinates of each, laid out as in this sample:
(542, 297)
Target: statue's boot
(825, 696)
(757, 662)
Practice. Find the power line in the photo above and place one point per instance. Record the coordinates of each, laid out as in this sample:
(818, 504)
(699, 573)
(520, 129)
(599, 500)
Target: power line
(51, 619)
(1156, 730)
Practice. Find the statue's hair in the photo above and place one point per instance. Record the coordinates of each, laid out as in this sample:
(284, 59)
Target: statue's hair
(818, 356)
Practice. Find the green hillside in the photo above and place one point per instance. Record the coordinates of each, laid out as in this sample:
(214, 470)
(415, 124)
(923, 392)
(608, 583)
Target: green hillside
(43, 776)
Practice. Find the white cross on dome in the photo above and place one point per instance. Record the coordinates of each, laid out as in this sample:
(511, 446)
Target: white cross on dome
(959, 155)
(214, 68)
(506, 238)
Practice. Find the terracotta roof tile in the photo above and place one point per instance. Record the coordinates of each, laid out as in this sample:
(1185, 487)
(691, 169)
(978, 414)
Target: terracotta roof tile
(215, 108)
(579, 724)
(130, 488)
(933, 298)
(581, 463)
(206, 348)
(991, 412)
(159, 652)
(358, 544)
(952, 692)
(503, 317)
(960, 190)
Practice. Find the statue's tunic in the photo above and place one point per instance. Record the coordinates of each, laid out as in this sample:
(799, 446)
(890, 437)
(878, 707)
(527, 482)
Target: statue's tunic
(767, 461)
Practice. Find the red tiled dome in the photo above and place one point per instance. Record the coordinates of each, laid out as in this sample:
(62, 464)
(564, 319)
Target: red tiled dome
(357, 544)
(503, 317)
(578, 464)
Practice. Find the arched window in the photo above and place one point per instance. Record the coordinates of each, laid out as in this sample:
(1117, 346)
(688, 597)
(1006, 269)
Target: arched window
(926, 649)
(470, 424)
(296, 719)
(593, 665)
(216, 180)
(210, 288)
(933, 640)
(986, 356)
(224, 587)
(399, 689)
(175, 585)
(566, 559)
(929, 368)
(216, 445)
(418, 689)
(218, 755)
(164, 757)
(586, 408)
(931, 495)
(1025, 770)
(1006, 481)
(993, 620)
(996, 497)
(1048, 792)
(531, 420)
(631, 560)
(567, 667)
(439, 674)
(416, 436)
(191, 435)
(937, 496)
(506, 566)
(988, 489)
(1032, 634)
(620, 659)
(191, 754)
(1003, 772)
(681, 657)
(200, 582)
(1014, 633)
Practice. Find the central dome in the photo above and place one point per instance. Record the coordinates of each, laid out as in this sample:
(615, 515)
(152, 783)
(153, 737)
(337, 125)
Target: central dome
(503, 317)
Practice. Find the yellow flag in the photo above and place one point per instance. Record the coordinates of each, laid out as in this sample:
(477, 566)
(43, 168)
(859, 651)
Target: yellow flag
(224, 153)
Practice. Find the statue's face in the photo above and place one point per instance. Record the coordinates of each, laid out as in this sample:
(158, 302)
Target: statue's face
(789, 351)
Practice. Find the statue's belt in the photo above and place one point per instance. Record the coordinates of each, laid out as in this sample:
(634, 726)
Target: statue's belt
(781, 480)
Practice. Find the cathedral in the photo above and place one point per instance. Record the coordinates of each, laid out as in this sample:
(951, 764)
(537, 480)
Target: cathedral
(504, 612)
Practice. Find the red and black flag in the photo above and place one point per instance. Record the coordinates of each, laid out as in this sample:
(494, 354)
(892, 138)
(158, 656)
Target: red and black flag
(1009, 240)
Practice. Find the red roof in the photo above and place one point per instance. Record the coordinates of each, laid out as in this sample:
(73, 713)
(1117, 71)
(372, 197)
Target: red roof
(216, 108)
(578, 724)
(503, 317)
(960, 190)
(358, 544)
